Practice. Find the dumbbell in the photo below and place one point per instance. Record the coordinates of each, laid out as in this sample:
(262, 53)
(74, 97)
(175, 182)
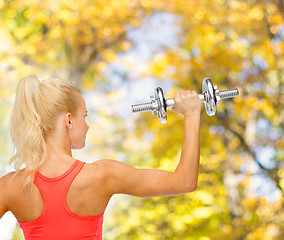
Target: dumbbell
(211, 97)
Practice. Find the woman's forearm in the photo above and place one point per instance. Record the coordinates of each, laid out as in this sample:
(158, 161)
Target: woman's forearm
(186, 172)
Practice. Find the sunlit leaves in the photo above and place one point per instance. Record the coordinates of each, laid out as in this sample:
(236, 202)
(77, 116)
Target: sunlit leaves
(236, 43)
(238, 46)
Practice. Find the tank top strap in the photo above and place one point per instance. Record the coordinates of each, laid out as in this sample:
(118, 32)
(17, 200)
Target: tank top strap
(73, 171)
(68, 179)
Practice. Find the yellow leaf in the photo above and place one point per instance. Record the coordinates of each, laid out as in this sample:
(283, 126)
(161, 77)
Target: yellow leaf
(202, 212)
(256, 13)
(205, 197)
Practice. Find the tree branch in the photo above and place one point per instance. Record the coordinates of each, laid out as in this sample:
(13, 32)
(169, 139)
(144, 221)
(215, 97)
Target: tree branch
(271, 173)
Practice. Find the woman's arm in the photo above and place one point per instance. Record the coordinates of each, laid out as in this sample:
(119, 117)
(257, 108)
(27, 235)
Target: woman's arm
(125, 179)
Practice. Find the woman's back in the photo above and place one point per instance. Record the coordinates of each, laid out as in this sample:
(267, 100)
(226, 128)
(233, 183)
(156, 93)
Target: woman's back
(85, 196)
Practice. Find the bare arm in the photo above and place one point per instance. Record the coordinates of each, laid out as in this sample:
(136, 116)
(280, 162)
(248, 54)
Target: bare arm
(122, 178)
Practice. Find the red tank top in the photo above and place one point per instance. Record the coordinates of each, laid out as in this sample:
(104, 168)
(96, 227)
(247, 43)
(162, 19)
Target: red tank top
(56, 221)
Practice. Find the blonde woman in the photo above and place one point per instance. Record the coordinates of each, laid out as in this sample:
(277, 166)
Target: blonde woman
(55, 196)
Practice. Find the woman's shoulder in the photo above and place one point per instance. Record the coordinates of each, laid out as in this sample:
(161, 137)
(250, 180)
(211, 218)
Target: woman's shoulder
(99, 169)
(104, 163)
(11, 181)
(104, 166)
(11, 177)
(94, 170)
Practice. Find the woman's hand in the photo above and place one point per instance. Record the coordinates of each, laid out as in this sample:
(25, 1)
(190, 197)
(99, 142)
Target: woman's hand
(187, 103)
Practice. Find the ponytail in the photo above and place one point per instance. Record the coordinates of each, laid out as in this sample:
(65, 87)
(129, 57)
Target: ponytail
(36, 106)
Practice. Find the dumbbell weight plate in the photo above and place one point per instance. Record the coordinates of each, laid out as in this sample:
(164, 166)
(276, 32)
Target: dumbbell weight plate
(209, 96)
(162, 108)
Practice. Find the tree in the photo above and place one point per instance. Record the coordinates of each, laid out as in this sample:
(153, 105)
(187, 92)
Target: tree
(241, 45)
(236, 43)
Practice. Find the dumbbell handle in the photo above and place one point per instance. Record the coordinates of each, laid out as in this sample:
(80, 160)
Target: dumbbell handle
(170, 103)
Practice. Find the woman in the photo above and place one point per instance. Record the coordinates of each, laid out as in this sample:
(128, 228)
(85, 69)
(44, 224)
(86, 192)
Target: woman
(55, 196)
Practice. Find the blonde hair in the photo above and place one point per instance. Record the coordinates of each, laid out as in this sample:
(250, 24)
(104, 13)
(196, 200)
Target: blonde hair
(36, 107)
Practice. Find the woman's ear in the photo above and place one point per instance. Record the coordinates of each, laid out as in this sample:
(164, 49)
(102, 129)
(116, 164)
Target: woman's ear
(68, 120)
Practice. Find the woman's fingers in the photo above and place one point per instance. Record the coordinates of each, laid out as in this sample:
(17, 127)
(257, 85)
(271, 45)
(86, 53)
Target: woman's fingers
(186, 102)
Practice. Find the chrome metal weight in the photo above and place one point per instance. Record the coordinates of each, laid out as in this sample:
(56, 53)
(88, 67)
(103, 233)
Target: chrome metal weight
(211, 97)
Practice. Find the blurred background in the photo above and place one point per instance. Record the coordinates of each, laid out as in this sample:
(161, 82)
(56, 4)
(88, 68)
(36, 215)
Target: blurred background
(118, 52)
